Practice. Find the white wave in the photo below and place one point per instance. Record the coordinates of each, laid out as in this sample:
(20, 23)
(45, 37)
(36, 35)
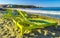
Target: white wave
(40, 11)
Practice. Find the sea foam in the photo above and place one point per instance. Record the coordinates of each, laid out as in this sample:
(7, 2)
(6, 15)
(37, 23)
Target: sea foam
(41, 11)
(53, 14)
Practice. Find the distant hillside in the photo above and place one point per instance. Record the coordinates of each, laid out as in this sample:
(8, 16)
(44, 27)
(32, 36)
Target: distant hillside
(24, 6)
(18, 6)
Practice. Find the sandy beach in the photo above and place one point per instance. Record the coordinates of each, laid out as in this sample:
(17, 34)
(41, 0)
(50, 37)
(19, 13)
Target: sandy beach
(9, 30)
(38, 11)
(42, 12)
(29, 18)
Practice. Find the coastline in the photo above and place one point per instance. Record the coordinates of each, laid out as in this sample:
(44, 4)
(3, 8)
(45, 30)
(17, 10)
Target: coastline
(37, 11)
(41, 12)
(13, 31)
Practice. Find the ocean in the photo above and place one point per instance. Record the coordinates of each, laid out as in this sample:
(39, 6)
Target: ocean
(50, 10)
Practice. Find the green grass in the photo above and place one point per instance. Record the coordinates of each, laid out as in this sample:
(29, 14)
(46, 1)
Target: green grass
(24, 23)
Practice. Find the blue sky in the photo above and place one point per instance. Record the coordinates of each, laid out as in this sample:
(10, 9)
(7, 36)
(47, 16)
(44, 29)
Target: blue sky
(43, 3)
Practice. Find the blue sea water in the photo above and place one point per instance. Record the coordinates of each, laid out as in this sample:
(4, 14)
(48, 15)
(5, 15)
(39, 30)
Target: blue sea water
(56, 9)
(48, 8)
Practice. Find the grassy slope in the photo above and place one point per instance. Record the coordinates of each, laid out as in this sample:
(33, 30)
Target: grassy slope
(49, 18)
(8, 31)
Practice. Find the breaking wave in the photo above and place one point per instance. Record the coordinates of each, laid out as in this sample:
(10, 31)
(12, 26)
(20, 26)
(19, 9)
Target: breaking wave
(55, 14)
